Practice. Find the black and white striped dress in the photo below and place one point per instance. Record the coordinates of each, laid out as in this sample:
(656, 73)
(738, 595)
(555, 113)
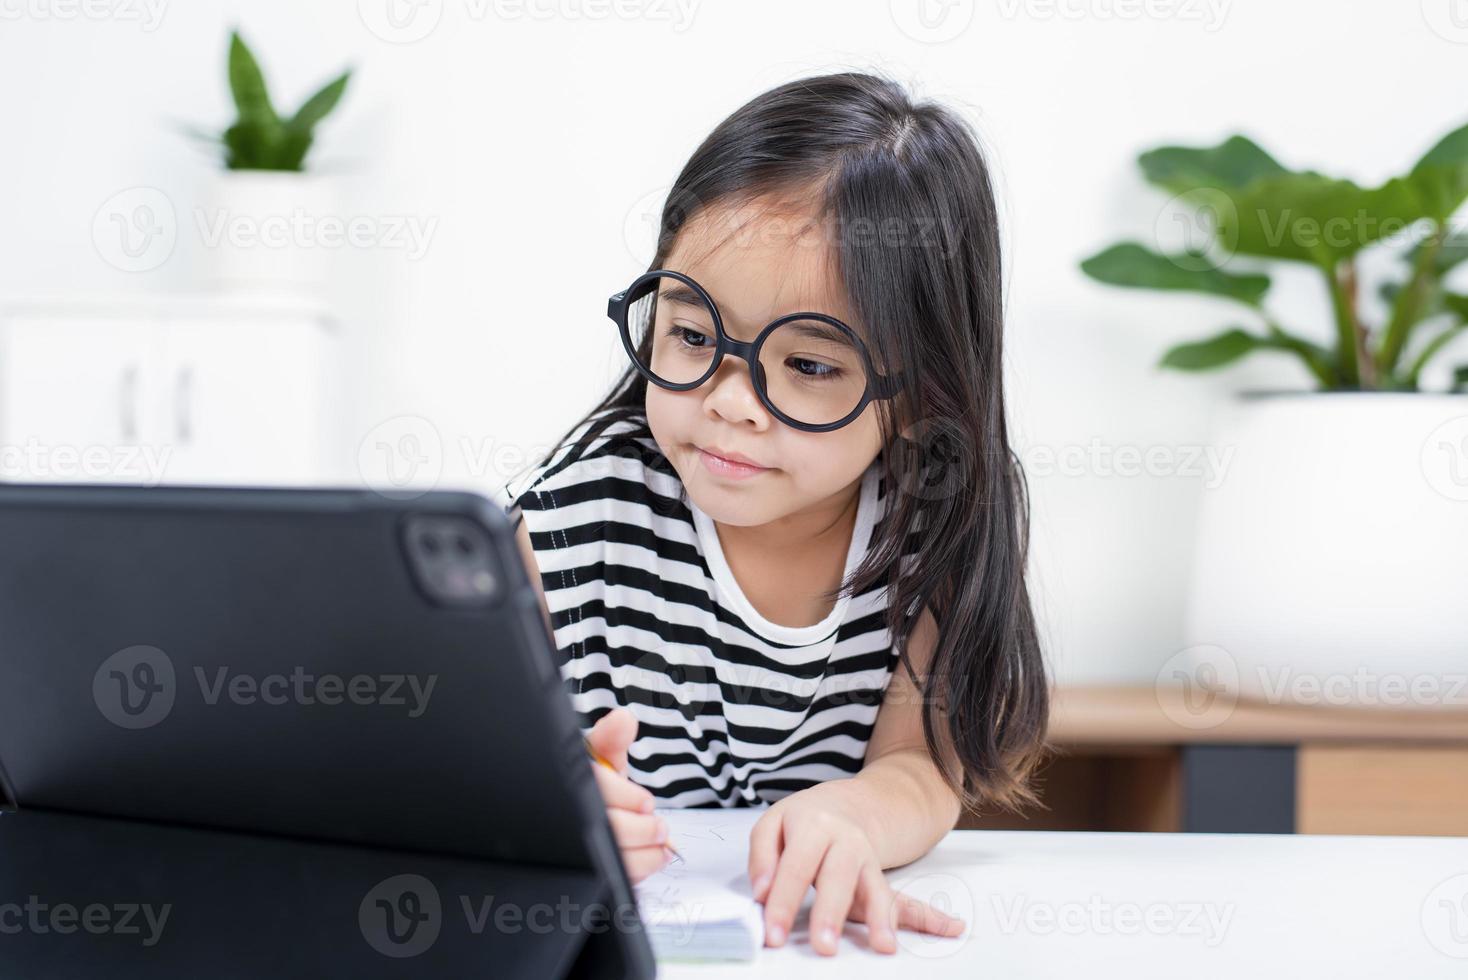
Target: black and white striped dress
(732, 710)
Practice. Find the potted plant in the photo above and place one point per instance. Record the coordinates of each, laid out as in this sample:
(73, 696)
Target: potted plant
(1329, 563)
(263, 225)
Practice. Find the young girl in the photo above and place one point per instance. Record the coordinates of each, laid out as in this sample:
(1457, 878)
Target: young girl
(802, 480)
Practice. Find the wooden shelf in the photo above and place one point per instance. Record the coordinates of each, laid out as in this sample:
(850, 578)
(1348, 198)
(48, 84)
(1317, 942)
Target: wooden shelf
(1086, 715)
(1138, 759)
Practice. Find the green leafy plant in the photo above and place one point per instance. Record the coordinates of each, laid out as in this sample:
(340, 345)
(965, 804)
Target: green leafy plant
(262, 139)
(1256, 209)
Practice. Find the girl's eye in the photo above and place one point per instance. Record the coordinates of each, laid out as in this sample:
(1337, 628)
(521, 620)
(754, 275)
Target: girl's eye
(690, 337)
(814, 369)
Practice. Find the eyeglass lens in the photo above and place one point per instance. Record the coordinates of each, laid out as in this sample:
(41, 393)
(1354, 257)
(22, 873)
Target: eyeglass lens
(813, 371)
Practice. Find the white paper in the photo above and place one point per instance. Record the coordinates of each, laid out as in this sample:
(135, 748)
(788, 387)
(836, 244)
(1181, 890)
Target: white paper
(702, 908)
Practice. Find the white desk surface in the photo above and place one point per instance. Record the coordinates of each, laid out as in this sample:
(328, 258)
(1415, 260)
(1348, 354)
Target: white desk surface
(1191, 906)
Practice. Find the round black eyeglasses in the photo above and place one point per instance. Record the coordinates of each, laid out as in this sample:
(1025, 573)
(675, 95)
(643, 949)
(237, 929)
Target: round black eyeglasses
(809, 370)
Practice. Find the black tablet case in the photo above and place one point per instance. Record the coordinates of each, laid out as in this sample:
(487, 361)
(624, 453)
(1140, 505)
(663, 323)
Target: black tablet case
(257, 812)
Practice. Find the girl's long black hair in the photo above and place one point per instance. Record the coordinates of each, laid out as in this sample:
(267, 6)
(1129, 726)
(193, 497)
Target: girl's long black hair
(917, 247)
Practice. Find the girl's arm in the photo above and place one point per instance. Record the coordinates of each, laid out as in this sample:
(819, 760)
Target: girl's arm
(914, 807)
(841, 834)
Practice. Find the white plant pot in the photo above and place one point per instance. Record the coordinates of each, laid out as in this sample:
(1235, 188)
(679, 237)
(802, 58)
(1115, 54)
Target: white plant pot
(1332, 559)
(269, 231)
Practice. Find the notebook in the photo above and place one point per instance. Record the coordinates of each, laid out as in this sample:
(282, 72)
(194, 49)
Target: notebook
(701, 908)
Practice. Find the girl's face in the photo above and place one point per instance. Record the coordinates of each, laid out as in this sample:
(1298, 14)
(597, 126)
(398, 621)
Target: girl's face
(758, 261)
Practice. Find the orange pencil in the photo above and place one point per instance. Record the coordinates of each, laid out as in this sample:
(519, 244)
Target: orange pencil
(596, 757)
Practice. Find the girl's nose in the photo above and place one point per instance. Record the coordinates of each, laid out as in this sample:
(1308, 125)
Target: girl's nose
(730, 395)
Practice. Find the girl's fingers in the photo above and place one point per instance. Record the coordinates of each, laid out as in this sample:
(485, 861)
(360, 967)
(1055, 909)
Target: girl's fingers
(922, 917)
(637, 829)
(879, 910)
(793, 876)
(621, 792)
(764, 852)
(612, 735)
(835, 888)
(643, 861)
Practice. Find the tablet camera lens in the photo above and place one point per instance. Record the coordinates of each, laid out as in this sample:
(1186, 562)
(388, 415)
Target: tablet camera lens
(453, 560)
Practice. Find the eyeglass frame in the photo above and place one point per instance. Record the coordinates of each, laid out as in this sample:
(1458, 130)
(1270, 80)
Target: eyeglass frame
(879, 387)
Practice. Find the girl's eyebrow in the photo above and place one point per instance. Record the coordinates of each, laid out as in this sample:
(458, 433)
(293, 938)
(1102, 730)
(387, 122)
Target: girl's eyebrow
(817, 330)
(683, 295)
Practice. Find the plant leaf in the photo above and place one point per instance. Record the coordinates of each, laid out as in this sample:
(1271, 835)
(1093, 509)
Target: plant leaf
(291, 153)
(242, 147)
(247, 83)
(1203, 355)
(314, 109)
(1134, 265)
(1460, 378)
(1234, 163)
(1234, 343)
(1441, 176)
(1454, 249)
(1321, 361)
(1308, 217)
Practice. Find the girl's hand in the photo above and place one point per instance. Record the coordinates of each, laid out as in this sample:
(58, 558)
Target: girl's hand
(817, 836)
(640, 834)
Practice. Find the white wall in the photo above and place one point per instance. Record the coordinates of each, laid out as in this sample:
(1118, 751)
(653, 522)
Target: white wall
(536, 146)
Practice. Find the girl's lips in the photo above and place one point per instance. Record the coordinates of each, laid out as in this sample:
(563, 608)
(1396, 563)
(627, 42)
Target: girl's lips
(719, 466)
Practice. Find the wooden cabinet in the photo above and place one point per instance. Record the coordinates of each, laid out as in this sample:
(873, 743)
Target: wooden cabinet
(1127, 759)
